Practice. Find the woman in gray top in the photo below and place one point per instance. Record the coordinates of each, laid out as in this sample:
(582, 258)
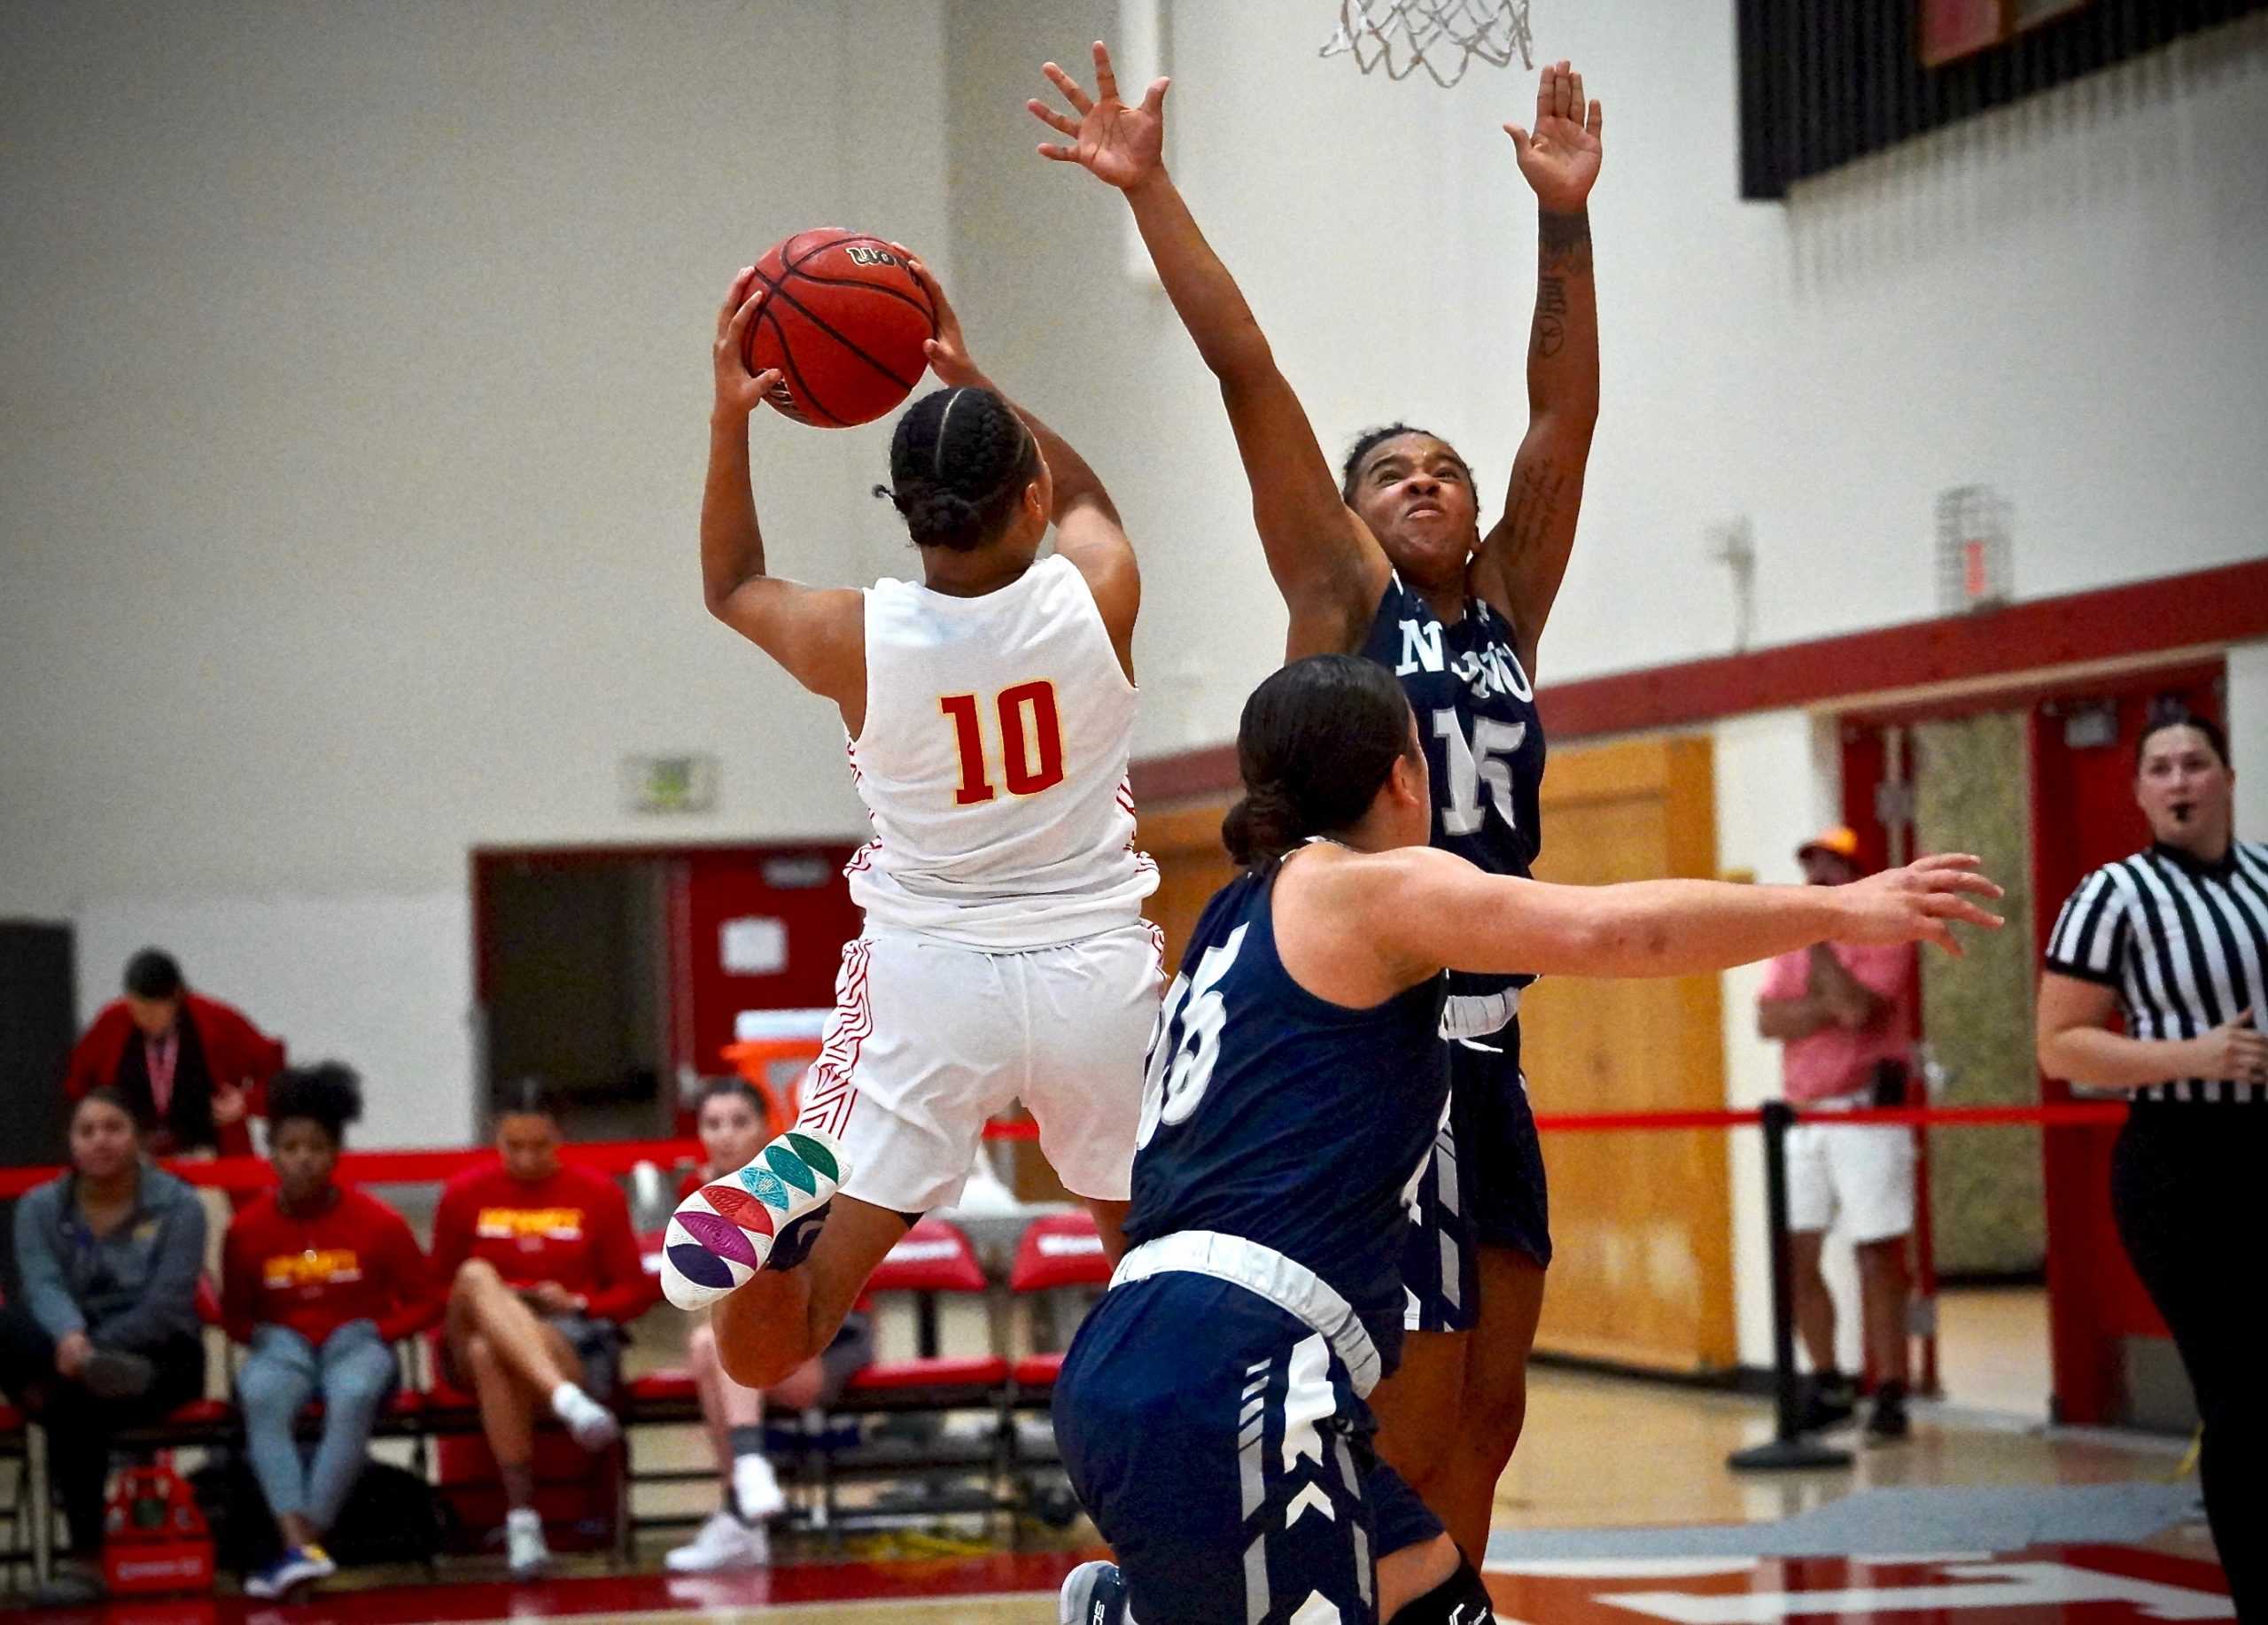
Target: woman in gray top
(106, 1337)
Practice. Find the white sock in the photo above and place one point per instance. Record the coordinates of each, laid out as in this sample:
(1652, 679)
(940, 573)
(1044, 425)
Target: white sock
(591, 1423)
(525, 1518)
(756, 1489)
(568, 1402)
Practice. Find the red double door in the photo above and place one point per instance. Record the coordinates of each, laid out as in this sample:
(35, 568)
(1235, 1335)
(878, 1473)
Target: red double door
(2083, 816)
(733, 909)
(2082, 737)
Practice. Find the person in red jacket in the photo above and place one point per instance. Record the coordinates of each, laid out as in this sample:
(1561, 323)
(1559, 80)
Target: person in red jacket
(542, 1272)
(319, 1282)
(191, 1068)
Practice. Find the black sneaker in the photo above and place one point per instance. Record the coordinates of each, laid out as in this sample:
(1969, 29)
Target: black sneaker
(1829, 1400)
(113, 1373)
(1889, 1421)
(75, 1585)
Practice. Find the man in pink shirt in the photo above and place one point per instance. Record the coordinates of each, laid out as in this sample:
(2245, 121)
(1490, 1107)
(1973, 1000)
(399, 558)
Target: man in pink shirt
(1845, 1015)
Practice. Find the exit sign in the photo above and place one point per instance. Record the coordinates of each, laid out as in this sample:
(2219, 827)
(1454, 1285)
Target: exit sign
(669, 784)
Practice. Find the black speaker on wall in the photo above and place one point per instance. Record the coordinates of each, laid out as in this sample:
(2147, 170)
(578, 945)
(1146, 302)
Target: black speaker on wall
(39, 1018)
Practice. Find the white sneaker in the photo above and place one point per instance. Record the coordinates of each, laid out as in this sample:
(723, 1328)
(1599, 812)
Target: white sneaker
(523, 1544)
(724, 1233)
(757, 1488)
(724, 1545)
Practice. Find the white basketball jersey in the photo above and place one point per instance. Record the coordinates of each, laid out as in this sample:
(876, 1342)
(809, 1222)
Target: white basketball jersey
(993, 764)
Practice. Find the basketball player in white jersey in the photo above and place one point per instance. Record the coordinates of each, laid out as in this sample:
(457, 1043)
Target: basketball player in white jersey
(989, 708)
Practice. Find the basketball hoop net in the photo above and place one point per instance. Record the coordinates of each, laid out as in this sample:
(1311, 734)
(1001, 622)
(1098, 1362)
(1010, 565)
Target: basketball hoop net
(1442, 37)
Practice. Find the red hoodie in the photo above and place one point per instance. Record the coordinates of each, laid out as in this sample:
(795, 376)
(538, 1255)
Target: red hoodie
(572, 1228)
(356, 1260)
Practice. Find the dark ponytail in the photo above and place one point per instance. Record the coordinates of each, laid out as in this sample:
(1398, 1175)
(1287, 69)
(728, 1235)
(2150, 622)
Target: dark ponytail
(1316, 742)
(959, 464)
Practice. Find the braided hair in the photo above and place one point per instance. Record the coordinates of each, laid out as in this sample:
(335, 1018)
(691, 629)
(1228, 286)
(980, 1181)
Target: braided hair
(959, 464)
(1370, 440)
(1316, 741)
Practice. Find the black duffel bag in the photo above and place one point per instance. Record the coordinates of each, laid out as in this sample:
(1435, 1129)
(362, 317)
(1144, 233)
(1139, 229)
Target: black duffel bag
(391, 1516)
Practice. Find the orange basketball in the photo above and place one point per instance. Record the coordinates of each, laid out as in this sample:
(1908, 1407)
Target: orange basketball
(844, 322)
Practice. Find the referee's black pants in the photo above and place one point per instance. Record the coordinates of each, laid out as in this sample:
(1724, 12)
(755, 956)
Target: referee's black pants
(2185, 1187)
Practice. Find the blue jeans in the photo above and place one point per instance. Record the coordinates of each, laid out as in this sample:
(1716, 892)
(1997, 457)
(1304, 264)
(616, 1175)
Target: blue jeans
(352, 1373)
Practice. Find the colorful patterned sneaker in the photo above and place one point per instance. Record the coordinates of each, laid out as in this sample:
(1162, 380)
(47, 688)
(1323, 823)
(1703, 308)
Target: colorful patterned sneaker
(1092, 1594)
(298, 1565)
(730, 1228)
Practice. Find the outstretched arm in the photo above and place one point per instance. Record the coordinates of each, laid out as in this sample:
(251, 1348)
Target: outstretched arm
(1524, 557)
(1088, 531)
(1329, 568)
(1439, 910)
(818, 635)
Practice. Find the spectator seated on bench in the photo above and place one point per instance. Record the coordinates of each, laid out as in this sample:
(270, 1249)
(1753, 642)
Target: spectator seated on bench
(108, 1336)
(318, 1281)
(542, 1272)
(733, 1122)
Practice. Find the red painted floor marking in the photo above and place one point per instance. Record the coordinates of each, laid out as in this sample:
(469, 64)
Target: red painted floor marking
(2085, 1585)
(1034, 1573)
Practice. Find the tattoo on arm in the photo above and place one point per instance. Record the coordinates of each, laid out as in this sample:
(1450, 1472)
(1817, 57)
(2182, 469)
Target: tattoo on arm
(1565, 241)
(1535, 502)
(1550, 328)
(1563, 249)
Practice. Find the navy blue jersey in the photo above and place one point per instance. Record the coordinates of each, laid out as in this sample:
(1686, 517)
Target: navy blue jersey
(1484, 742)
(1273, 1114)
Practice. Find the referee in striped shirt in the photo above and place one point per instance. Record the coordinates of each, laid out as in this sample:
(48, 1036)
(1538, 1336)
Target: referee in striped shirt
(2175, 940)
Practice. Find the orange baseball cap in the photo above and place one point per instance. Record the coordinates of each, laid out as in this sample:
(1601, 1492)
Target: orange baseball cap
(1843, 841)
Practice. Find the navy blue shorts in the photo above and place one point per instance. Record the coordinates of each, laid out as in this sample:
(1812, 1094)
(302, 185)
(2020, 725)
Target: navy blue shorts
(1483, 1187)
(1219, 1447)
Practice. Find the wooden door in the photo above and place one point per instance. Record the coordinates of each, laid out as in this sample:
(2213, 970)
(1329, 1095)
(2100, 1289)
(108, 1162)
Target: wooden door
(1193, 864)
(1641, 1221)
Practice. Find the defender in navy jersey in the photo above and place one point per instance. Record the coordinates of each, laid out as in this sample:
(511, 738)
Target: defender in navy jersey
(1212, 1411)
(1388, 560)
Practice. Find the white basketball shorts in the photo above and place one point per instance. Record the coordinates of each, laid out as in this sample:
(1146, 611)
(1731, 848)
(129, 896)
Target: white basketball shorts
(929, 1040)
(1865, 1173)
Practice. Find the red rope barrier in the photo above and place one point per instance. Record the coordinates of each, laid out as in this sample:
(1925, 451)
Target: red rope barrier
(435, 1166)
(2063, 1114)
(2067, 1115)
(1585, 1122)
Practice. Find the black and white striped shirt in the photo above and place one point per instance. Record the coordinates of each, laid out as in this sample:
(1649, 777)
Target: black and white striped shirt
(2185, 945)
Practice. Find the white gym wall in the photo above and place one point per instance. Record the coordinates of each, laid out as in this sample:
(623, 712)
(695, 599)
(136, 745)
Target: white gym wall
(355, 362)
